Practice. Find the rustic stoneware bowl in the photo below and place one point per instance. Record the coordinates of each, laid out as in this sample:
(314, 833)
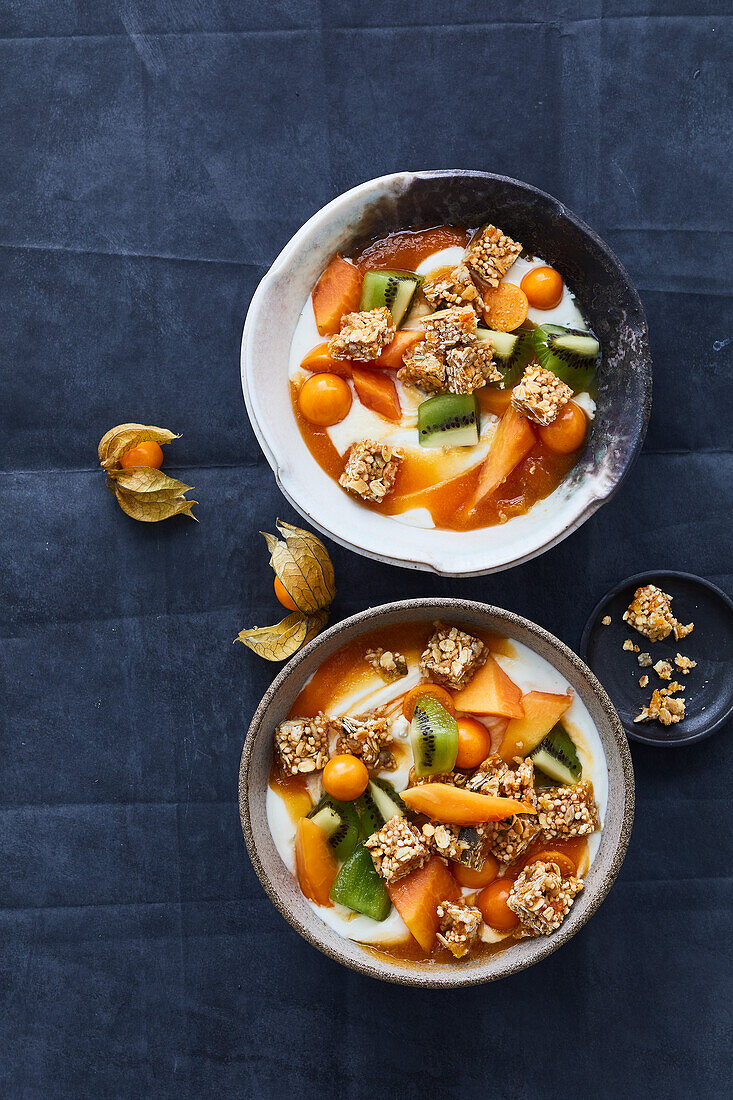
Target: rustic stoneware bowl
(282, 887)
(543, 225)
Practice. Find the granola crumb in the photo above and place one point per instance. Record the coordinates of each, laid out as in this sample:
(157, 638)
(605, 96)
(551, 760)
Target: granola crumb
(540, 395)
(390, 664)
(650, 612)
(643, 681)
(606, 620)
(452, 656)
(628, 645)
(371, 470)
(661, 707)
(684, 664)
(490, 255)
(645, 660)
(459, 926)
(363, 335)
(663, 670)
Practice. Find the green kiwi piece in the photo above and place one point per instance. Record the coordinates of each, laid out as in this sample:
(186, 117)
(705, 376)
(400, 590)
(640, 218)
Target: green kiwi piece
(345, 837)
(557, 756)
(394, 289)
(358, 886)
(512, 353)
(327, 820)
(448, 420)
(434, 738)
(570, 354)
(379, 803)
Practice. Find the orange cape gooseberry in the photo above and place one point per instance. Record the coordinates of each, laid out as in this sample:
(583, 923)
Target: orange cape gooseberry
(345, 777)
(149, 453)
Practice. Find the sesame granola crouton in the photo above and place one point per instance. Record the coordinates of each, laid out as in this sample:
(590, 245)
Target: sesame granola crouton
(568, 811)
(423, 366)
(396, 849)
(368, 739)
(452, 656)
(542, 898)
(650, 612)
(371, 470)
(302, 744)
(490, 255)
(447, 327)
(459, 926)
(469, 368)
(388, 663)
(540, 395)
(363, 335)
(455, 289)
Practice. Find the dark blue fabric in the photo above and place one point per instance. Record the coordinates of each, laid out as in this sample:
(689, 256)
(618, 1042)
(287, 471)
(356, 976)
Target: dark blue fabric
(157, 154)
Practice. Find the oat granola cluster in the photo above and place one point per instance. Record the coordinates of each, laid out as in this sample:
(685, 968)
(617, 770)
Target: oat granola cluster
(460, 925)
(542, 898)
(661, 706)
(449, 327)
(396, 849)
(540, 395)
(650, 612)
(390, 664)
(568, 811)
(490, 255)
(368, 739)
(496, 777)
(302, 744)
(363, 335)
(458, 369)
(371, 470)
(455, 289)
(452, 656)
(509, 843)
(444, 840)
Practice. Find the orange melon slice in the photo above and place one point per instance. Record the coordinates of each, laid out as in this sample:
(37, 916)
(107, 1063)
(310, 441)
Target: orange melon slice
(490, 691)
(542, 710)
(315, 862)
(338, 291)
(455, 806)
(513, 440)
(417, 896)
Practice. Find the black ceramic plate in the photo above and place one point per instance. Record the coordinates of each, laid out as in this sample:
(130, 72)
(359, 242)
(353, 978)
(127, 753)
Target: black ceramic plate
(708, 688)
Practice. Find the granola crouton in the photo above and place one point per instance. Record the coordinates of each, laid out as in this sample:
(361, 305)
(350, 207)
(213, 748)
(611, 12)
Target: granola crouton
(606, 620)
(542, 898)
(508, 844)
(363, 335)
(423, 366)
(302, 744)
(459, 926)
(371, 470)
(645, 660)
(684, 664)
(455, 289)
(396, 849)
(368, 739)
(490, 255)
(452, 656)
(663, 670)
(447, 327)
(650, 612)
(668, 711)
(495, 777)
(568, 811)
(390, 664)
(442, 839)
(469, 368)
(540, 395)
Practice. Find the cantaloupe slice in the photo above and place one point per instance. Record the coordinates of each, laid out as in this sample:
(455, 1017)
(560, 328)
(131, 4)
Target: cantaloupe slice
(338, 291)
(542, 710)
(319, 361)
(315, 862)
(391, 357)
(417, 896)
(377, 391)
(456, 806)
(490, 691)
(513, 440)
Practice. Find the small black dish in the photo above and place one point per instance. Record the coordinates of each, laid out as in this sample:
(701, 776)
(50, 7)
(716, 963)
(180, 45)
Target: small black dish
(708, 687)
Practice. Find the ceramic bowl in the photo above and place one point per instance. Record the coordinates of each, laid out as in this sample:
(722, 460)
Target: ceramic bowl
(282, 888)
(545, 226)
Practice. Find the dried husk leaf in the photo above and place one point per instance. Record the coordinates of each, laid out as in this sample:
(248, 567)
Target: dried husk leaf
(312, 556)
(124, 437)
(283, 639)
(140, 507)
(148, 484)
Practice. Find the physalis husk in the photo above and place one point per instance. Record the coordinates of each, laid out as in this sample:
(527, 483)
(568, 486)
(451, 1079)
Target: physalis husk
(142, 493)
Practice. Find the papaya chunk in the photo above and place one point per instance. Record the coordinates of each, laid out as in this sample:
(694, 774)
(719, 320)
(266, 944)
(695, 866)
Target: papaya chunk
(377, 391)
(319, 361)
(490, 691)
(542, 711)
(315, 862)
(513, 440)
(456, 806)
(338, 291)
(391, 357)
(416, 898)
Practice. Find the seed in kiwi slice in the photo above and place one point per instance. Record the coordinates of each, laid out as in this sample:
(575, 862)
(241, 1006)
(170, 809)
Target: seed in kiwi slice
(570, 354)
(557, 756)
(434, 738)
(448, 420)
(394, 289)
(512, 352)
(345, 836)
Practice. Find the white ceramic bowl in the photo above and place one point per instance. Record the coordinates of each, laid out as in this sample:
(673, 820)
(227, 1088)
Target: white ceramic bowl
(593, 273)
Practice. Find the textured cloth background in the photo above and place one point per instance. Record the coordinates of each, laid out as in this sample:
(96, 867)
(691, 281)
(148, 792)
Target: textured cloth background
(157, 154)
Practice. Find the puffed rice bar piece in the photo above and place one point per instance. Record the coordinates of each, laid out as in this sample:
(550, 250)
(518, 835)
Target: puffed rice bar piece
(540, 395)
(508, 844)
(456, 289)
(542, 898)
(390, 664)
(423, 366)
(447, 327)
(650, 612)
(469, 368)
(366, 738)
(494, 776)
(490, 255)
(444, 840)
(452, 656)
(302, 744)
(371, 470)
(459, 926)
(568, 811)
(363, 335)
(396, 849)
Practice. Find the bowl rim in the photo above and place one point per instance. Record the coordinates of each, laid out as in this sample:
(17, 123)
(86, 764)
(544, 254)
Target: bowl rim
(416, 977)
(591, 505)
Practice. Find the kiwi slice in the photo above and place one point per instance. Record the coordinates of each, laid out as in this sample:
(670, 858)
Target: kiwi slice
(448, 420)
(379, 803)
(434, 738)
(557, 756)
(358, 886)
(344, 837)
(512, 352)
(569, 353)
(394, 289)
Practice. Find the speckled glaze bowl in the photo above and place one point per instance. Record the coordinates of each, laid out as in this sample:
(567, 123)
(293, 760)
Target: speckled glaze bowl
(543, 225)
(282, 888)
